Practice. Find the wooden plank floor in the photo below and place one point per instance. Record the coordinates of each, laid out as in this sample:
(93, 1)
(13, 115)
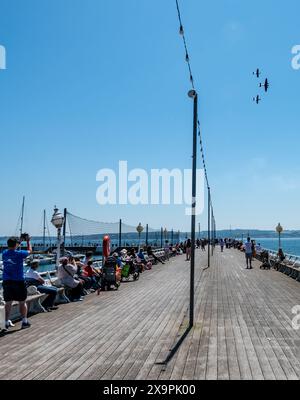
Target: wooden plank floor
(243, 328)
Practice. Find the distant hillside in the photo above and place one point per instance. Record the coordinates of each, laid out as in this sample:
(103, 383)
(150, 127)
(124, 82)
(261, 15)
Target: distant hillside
(238, 233)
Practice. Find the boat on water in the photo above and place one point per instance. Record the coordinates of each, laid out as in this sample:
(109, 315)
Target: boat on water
(41, 258)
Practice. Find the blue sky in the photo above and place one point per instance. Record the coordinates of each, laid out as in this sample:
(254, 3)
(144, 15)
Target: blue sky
(92, 82)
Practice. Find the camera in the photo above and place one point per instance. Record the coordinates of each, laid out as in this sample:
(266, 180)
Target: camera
(25, 237)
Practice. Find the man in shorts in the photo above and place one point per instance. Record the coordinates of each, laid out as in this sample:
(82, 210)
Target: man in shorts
(248, 253)
(14, 287)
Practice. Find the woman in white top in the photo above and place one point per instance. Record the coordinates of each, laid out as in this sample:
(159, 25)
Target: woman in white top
(34, 278)
(66, 274)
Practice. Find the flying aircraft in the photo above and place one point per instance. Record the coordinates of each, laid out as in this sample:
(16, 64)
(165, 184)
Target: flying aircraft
(257, 99)
(266, 85)
(257, 73)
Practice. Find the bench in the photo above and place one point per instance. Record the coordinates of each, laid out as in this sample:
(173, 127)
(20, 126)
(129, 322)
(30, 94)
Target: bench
(33, 301)
(61, 297)
(289, 266)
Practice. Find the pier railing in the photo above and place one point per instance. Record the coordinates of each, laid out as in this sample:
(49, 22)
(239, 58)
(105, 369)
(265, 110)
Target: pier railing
(290, 259)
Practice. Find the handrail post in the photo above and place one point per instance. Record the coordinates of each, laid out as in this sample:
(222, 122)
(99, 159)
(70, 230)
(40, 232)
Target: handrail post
(120, 233)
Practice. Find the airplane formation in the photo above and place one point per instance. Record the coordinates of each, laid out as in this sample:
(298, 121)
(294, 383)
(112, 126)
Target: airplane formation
(264, 85)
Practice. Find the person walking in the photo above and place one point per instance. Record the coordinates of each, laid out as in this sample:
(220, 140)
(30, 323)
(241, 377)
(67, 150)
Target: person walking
(188, 250)
(248, 253)
(14, 286)
(222, 243)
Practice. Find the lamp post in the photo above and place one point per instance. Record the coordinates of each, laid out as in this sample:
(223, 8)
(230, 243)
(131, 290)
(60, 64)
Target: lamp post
(57, 221)
(166, 233)
(193, 95)
(279, 230)
(139, 229)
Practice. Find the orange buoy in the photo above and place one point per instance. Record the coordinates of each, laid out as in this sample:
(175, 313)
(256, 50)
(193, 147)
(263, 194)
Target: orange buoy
(106, 246)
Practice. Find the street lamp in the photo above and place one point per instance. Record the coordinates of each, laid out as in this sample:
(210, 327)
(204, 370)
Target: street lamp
(193, 95)
(139, 229)
(279, 230)
(58, 222)
(166, 233)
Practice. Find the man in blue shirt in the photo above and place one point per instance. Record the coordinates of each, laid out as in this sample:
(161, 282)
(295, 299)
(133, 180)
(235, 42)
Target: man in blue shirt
(14, 287)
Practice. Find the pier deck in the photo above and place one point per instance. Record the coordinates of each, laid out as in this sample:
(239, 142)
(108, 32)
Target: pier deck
(242, 330)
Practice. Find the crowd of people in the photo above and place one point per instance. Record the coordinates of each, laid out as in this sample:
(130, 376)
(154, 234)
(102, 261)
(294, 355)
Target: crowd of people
(78, 276)
(250, 248)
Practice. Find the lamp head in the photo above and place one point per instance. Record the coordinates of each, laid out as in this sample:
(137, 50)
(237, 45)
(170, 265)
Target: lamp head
(139, 228)
(279, 228)
(57, 219)
(192, 94)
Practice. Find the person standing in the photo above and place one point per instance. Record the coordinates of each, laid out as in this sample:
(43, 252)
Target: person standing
(14, 286)
(188, 250)
(222, 245)
(248, 253)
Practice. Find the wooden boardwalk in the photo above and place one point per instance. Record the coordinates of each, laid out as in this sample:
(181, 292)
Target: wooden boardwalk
(242, 330)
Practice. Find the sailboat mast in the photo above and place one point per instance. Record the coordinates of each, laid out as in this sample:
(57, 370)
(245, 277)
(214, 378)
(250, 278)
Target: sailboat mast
(22, 216)
(44, 231)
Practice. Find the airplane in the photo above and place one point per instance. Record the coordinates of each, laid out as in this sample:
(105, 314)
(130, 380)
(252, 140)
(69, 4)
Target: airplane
(257, 73)
(257, 99)
(266, 85)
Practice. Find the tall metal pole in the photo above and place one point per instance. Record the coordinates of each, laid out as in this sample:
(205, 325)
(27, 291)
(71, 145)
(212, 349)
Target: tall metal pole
(161, 237)
(44, 232)
(213, 232)
(193, 218)
(279, 240)
(58, 247)
(199, 230)
(208, 228)
(64, 232)
(120, 233)
(22, 215)
(147, 234)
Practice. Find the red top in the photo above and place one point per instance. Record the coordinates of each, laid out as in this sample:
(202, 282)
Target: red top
(88, 271)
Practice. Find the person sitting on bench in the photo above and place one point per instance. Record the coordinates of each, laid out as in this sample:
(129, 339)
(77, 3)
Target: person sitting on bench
(66, 273)
(32, 277)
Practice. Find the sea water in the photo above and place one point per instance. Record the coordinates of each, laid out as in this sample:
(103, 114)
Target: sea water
(288, 245)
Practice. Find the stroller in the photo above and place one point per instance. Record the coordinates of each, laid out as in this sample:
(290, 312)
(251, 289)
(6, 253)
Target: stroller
(130, 269)
(265, 260)
(110, 274)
